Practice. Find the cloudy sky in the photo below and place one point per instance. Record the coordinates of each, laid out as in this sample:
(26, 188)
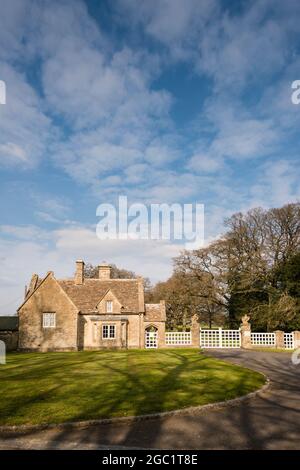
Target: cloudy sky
(162, 101)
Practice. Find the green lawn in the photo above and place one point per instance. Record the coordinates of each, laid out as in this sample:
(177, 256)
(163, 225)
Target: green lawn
(58, 387)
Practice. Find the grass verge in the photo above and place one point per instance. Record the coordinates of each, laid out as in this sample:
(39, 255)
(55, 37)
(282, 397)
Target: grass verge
(41, 388)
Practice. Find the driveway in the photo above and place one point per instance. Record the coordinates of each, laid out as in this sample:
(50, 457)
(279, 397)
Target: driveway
(270, 420)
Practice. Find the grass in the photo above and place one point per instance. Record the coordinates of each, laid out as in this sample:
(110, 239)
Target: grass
(58, 387)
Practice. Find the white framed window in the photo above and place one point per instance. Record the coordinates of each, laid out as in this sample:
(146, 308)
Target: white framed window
(109, 306)
(49, 320)
(108, 331)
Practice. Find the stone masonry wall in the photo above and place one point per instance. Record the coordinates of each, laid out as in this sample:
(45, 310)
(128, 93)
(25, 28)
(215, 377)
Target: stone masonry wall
(10, 338)
(49, 297)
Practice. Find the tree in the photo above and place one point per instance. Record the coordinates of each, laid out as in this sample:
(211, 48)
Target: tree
(250, 268)
(92, 272)
(179, 304)
(288, 276)
(260, 244)
(282, 314)
(207, 268)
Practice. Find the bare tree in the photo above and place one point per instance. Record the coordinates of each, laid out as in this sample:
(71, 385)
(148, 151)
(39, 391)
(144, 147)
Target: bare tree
(239, 272)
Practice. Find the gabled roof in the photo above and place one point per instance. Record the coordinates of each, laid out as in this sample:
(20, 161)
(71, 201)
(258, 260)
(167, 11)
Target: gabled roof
(36, 282)
(86, 296)
(109, 293)
(9, 323)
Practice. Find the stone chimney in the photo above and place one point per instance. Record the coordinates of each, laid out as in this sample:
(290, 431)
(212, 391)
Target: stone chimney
(104, 271)
(141, 294)
(79, 275)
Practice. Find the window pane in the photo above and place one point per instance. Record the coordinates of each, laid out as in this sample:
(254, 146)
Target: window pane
(105, 331)
(112, 331)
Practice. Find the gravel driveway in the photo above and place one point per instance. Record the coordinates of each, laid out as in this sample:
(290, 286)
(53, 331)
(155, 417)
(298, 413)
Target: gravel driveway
(270, 420)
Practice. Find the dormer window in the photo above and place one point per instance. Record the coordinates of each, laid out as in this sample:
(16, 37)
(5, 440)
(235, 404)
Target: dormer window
(109, 306)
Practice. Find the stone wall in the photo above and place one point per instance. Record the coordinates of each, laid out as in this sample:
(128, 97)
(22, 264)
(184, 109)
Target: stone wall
(49, 297)
(93, 333)
(245, 329)
(128, 332)
(297, 339)
(134, 333)
(10, 338)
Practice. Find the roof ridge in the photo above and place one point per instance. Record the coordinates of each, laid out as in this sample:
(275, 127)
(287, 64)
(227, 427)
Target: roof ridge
(110, 279)
(97, 279)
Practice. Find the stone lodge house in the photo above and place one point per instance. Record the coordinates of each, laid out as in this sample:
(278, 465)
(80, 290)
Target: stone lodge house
(80, 313)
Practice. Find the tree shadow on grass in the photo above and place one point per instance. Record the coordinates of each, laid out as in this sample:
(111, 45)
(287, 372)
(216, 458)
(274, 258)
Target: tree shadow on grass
(267, 421)
(146, 401)
(270, 420)
(149, 434)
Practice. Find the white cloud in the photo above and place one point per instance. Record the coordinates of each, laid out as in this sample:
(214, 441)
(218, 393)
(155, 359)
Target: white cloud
(13, 28)
(117, 136)
(236, 135)
(103, 94)
(204, 163)
(160, 154)
(13, 152)
(26, 232)
(244, 139)
(24, 128)
(57, 250)
(174, 23)
(46, 217)
(278, 184)
(238, 49)
(233, 47)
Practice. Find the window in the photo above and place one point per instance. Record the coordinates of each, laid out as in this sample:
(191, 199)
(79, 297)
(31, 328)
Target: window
(109, 306)
(49, 320)
(108, 331)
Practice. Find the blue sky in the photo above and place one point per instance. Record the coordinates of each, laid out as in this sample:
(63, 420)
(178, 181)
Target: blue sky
(162, 101)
